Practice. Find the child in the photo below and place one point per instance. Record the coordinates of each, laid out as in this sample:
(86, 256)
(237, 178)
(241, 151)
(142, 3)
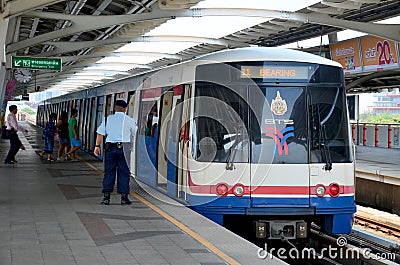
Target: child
(62, 128)
(48, 136)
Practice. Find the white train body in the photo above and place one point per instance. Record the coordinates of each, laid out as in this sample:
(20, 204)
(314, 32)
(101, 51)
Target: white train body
(256, 136)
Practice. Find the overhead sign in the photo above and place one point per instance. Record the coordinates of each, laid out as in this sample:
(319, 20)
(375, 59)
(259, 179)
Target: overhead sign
(53, 64)
(274, 72)
(347, 54)
(378, 53)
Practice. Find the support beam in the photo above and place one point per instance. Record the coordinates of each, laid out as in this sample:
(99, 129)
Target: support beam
(365, 78)
(345, 4)
(85, 23)
(18, 7)
(65, 46)
(388, 31)
(3, 70)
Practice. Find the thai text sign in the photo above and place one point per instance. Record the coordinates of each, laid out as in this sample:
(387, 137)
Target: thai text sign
(378, 53)
(36, 63)
(347, 54)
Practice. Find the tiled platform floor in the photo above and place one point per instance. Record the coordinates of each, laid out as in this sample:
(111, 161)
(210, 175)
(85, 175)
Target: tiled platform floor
(50, 215)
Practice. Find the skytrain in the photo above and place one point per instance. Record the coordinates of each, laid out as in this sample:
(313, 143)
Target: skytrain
(256, 138)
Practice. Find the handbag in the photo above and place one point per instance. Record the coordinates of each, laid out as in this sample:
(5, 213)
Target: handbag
(4, 134)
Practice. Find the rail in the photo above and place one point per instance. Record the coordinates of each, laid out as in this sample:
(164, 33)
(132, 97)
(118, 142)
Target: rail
(378, 135)
(387, 228)
(23, 116)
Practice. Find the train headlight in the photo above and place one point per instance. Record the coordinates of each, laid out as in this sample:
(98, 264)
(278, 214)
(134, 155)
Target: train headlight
(320, 190)
(222, 189)
(334, 190)
(238, 190)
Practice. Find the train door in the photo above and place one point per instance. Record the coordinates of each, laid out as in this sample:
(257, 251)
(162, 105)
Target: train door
(172, 131)
(81, 115)
(133, 102)
(183, 146)
(86, 124)
(164, 122)
(98, 117)
(108, 105)
(147, 136)
(92, 115)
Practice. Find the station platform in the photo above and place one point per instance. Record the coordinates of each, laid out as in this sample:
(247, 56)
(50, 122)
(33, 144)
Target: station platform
(383, 163)
(50, 213)
(378, 178)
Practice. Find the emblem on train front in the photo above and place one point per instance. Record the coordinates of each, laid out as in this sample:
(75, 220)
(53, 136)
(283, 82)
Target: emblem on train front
(278, 105)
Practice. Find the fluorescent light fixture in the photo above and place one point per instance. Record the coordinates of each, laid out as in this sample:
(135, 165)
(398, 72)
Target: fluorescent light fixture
(83, 77)
(128, 59)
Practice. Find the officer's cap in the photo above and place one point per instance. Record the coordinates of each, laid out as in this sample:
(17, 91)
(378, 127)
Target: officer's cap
(121, 103)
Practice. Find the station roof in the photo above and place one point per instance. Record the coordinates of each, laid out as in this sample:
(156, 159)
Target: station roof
(84, 32)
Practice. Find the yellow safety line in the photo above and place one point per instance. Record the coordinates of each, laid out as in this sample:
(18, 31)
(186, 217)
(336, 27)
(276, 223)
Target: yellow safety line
(187, 230)
(181, 226)
(90, 165)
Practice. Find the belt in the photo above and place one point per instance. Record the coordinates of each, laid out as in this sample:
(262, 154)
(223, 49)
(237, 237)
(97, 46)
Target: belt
(118, 144)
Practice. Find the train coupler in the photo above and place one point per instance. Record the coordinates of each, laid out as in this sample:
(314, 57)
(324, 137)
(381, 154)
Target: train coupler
(281, 229)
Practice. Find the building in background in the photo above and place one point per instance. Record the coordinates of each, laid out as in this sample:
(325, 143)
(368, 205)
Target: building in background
(386, 102)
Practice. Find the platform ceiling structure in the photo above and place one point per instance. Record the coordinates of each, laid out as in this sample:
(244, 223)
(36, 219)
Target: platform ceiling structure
(82, 32)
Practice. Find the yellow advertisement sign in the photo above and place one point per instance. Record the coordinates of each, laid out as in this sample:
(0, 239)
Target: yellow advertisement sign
(378, 53)
(347, 54)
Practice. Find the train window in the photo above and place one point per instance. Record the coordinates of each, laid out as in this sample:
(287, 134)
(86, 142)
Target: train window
(108, 105)
(329, 134)
(100, 108)
(220, 124)
(149, 120)
(278, 125)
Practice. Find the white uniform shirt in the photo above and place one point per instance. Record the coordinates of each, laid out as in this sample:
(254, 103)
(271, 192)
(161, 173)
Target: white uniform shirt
(118, 128)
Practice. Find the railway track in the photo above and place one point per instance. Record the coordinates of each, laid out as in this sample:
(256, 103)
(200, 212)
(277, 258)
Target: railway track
(352, 249)
(383, 227)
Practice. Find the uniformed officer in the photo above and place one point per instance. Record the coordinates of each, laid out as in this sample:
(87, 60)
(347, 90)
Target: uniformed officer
(119, 130)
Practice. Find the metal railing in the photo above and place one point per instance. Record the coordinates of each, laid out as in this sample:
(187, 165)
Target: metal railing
(378, 135)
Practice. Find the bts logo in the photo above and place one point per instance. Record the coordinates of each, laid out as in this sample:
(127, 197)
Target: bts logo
(280, 138)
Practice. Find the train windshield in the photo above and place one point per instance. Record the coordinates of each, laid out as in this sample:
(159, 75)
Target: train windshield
(329, 131)
(279, 125)
(270, 124)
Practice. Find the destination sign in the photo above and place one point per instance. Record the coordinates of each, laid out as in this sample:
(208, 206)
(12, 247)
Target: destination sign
(36, 63)
(275, 72)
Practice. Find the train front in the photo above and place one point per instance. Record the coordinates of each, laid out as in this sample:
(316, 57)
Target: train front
(270, 148)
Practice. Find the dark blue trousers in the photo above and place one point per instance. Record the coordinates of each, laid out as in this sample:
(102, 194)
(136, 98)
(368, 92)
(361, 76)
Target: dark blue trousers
(116, 162)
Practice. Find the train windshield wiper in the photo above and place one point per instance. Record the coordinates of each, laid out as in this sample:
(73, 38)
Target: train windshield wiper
(322, 134)
(232, 150)
(324, 143)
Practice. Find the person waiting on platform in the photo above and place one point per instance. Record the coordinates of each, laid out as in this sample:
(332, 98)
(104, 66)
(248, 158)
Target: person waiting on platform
(48, 136)
(12, 128)
(73, 135)
(119, 130)
(62, 129)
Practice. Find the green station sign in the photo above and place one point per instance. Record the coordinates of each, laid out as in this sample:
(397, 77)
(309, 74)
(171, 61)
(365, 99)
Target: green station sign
(53, 64)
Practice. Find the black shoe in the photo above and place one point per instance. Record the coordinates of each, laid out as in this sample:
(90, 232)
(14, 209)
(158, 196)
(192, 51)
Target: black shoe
(106, 200)
(9, 162)
(125, 200)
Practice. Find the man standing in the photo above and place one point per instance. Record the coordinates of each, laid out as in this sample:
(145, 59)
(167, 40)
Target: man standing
(73, 135)
(12, 129)
(119, 129)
